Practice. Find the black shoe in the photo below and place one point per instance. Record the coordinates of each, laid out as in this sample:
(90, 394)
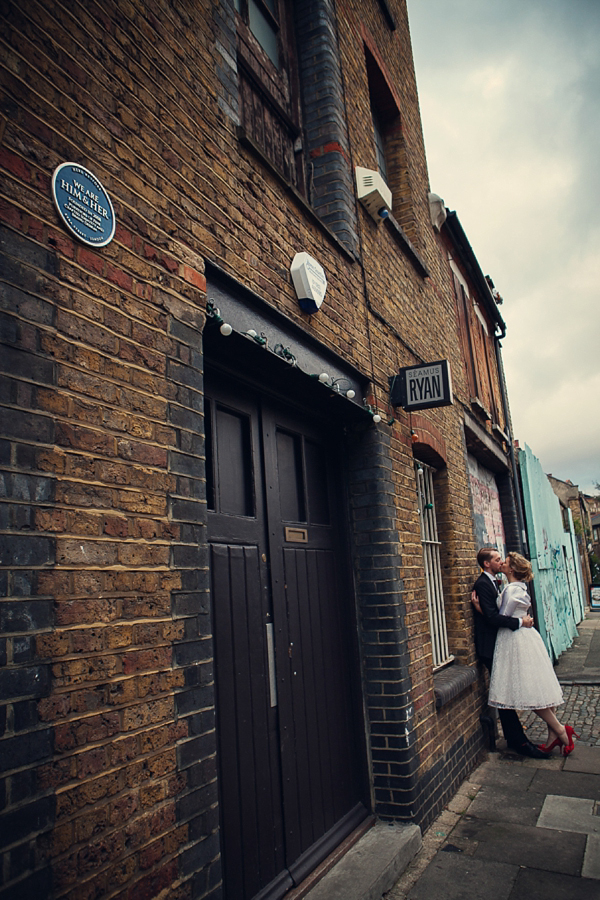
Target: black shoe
(530, 750)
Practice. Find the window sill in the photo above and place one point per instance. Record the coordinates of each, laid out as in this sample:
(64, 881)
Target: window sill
(500, 434)
(449, 683)
(406, 246)
(478, 407)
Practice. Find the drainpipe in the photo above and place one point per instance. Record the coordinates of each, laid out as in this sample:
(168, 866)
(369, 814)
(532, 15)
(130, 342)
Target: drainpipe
(511, 450)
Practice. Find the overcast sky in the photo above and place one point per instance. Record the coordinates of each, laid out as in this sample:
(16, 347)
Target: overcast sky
(510, 102)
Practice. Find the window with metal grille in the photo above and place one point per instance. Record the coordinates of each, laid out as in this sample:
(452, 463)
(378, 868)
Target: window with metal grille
(431, 562)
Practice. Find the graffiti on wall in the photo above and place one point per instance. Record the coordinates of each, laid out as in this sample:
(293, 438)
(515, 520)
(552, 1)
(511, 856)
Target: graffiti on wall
(487, 513)
(557, 579)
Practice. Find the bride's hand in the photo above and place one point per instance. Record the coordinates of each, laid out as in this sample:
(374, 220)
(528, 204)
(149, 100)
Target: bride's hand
(475, 601)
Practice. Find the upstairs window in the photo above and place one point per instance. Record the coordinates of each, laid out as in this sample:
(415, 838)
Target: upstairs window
(384, 114)
(269, 98)
(263, 20)
(388, 136)
(477, 348)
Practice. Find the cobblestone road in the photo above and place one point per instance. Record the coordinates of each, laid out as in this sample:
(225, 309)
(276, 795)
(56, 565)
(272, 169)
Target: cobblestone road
(580, 709)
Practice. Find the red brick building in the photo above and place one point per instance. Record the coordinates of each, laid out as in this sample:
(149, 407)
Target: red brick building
(234, 596)
(571, 497)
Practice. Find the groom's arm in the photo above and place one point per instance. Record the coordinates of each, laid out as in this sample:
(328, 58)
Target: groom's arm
(489, 607)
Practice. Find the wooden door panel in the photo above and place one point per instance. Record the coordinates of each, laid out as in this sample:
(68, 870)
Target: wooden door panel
(325, 757)
(319, 756)
(249, 746)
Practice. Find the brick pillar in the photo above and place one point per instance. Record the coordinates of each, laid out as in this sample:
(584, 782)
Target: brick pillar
(330, 175)
(382, 630)
(197, 804)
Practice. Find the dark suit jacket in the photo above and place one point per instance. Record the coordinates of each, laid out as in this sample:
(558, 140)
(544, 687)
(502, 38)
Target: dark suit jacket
(489, 620)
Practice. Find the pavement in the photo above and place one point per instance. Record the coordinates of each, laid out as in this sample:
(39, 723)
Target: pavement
(523, 829)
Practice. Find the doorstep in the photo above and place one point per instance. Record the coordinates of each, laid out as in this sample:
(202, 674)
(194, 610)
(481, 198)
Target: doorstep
(372, 865)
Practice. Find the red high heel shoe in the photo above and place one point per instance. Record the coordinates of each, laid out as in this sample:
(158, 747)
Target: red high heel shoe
(568, 748)
(549, 747)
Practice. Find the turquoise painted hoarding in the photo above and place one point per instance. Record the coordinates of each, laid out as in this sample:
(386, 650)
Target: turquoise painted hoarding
(556, 568)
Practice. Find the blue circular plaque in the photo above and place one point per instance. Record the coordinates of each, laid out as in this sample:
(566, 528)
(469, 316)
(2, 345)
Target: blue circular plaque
(83, 204)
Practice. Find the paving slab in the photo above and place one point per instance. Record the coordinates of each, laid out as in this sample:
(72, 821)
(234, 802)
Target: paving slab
(591, 860)
(521, 845)
(500, 804)
(454, 877)
(532, 884)
(583, 759)
(372, 866)
(592, 660)
(500, 775)
(573, 814)
(581, 662)
(566, 784)
(532, 829)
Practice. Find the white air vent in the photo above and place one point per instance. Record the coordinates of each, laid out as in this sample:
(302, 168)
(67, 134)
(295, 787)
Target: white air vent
(373, 193)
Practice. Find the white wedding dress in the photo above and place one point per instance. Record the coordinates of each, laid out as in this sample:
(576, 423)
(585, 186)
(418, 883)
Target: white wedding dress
(522, 673)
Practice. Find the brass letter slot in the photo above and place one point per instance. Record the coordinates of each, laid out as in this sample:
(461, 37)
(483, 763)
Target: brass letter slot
(296, 535)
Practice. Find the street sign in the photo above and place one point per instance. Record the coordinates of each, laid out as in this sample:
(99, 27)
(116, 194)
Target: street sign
(422, 387)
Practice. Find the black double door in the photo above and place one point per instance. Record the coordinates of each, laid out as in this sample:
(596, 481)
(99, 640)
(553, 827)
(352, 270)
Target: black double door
(289, 726)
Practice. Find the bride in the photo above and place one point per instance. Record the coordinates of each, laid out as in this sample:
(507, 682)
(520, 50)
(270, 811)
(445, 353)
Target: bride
(522, 673)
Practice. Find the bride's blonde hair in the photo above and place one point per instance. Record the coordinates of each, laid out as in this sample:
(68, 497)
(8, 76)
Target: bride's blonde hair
(520, 566)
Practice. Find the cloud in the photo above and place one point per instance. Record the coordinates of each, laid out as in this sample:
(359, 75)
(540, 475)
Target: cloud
(510, 101)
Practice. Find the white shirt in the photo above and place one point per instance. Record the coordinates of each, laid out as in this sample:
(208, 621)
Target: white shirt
(492, 578)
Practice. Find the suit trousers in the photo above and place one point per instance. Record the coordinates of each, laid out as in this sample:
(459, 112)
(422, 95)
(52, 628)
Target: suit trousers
(511, 724)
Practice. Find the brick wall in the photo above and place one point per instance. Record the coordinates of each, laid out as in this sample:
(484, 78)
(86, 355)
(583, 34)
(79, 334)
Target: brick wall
(108, 662)
(109, 743)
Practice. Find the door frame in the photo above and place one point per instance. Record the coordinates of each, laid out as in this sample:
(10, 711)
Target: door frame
(299, 408)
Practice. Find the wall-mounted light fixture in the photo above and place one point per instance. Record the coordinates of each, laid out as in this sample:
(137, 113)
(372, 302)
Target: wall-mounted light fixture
(260, 339)
(336, 385)
(369, 408)
(285, 353)
(213, 312)
(339, 385)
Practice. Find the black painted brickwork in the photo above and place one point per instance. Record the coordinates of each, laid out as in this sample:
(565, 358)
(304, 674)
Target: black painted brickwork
(509, 511)
(382, 633)
(197, 804)
(25, 742)
(330, 176)
(441, 782)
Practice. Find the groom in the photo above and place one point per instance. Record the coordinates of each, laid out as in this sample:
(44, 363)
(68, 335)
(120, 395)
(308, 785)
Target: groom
(487, 623)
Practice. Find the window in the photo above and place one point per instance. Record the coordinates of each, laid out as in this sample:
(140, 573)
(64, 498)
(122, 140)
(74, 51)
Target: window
(389, 144)
(431, 560)
(269, 106)
(378, 128)
(384, 113)
(477, 348)
(264, 24)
